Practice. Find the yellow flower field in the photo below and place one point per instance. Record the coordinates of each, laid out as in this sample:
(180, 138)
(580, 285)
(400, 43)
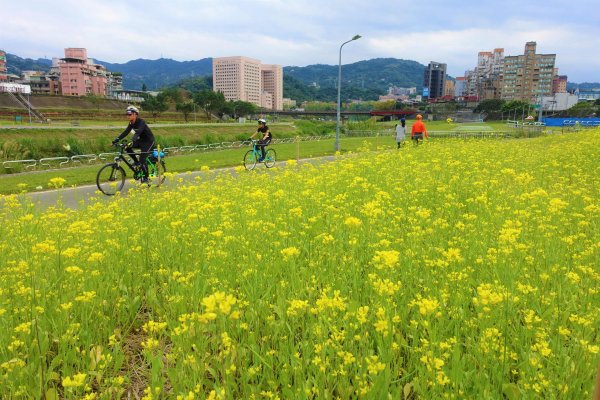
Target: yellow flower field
(458, 269)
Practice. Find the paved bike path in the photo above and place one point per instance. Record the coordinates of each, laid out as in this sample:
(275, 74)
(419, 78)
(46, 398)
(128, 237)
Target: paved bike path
(75, 197)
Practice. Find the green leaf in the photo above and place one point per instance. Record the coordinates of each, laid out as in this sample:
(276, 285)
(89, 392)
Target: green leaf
(511, 391)
(51, 394)
(407, 390)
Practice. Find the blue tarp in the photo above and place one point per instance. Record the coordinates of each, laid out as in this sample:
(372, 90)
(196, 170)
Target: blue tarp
(571, 121)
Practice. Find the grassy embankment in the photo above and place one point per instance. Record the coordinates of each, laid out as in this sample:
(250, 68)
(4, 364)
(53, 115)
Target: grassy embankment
(38, 143)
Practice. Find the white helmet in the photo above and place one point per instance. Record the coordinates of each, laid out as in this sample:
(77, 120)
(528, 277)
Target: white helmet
(132, 109)
(262, 121)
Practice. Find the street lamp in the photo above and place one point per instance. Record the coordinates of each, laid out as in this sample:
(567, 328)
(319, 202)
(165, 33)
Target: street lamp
(339, 85)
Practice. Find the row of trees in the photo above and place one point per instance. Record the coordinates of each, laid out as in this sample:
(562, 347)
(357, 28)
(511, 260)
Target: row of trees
(205, 100)
(519, 108)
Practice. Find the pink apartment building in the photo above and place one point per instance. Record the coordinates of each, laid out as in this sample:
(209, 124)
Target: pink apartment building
(247, 79)
(80, 76)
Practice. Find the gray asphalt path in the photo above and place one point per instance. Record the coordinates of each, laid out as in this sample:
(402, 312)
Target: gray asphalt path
(79, 196)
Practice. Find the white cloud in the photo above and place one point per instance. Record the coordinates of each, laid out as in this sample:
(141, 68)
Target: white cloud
(304, 32)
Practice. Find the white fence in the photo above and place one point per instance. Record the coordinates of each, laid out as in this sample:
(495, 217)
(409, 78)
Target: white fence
(86, 159)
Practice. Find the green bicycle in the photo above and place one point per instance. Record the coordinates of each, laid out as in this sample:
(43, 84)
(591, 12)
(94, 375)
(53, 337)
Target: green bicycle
(111, 177)
(254, 156)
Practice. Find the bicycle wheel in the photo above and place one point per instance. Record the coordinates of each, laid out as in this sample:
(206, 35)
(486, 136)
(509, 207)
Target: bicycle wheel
(156, 172)
(110, 179)
(250, 160)
(270, 158)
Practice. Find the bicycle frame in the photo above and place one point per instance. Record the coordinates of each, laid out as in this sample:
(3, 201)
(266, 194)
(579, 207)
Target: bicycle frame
(130, 164)
(110, 179)
(256, 148)
(255, 155)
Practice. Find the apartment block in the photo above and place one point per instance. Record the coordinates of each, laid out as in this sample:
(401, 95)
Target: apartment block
(487, 74)
(527, 77)
(80, 76)
(449, 88)
(247, 79)
(435, 79)
(460, 86)
(42, 82)
(559, 82)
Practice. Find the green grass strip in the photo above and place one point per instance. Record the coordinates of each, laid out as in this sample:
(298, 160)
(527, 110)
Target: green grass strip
(41, 180)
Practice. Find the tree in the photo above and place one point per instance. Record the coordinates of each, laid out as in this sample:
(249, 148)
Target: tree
(242, 108)
(155, 105)
(211, 102)
(516, 107)
(582, 109)
(489, 106)
(196, 84)
(186, 108)
(144, 87)
(174, 95)
(387, 105)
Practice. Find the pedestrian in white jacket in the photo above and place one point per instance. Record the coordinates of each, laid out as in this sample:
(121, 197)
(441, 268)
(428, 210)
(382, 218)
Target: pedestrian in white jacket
(401, 132)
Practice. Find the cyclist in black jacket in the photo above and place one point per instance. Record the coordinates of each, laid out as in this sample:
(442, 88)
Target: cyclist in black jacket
(142, 139)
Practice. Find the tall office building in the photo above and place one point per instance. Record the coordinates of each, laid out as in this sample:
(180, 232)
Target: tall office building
(247, 79)
(80, 76)
(272, 84)
(435, 79)
(527, 77)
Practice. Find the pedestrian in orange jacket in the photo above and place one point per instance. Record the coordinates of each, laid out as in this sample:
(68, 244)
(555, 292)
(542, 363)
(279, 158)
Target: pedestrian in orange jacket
(418, 130)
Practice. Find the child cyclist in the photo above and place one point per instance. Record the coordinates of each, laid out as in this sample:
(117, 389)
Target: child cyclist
(266, 137)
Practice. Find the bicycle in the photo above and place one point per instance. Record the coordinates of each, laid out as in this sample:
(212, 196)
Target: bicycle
(111, 177)
(252, 157)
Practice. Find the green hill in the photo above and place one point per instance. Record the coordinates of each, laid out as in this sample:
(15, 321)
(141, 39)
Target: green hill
(361, 80)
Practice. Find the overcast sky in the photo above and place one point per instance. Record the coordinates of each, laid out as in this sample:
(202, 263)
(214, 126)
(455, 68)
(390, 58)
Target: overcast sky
(305, 32)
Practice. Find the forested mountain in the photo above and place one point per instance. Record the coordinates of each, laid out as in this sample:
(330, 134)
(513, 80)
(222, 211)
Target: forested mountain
(582, 86)
(157, 74)
(378, 74)
(15, 64)
(364, 80)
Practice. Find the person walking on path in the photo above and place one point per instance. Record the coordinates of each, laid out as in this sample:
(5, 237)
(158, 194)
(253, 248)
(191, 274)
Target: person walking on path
(401, 132)
(418, 130)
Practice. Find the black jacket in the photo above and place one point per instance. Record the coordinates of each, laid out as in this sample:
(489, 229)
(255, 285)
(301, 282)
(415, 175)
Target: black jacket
(141, 132)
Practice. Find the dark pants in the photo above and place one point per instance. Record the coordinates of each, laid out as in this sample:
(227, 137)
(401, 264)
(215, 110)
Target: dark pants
(417, 137)
(145, 148)
(264, 143)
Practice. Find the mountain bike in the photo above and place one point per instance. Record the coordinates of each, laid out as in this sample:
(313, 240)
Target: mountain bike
(111, 177)
(252, 157)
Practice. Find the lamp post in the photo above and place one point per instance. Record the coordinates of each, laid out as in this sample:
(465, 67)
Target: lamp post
(339, 85)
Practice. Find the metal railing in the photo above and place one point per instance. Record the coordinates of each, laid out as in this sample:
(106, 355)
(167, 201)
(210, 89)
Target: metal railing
(81, 159)
(87, 159)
